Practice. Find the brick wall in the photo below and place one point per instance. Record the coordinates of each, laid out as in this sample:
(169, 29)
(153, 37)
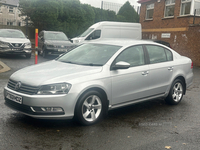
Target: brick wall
(184, 36)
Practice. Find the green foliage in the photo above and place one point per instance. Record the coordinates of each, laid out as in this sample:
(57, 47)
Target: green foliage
(127, 14)
(70, 16)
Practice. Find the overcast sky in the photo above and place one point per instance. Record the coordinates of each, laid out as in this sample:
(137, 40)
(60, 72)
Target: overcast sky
(97, 3)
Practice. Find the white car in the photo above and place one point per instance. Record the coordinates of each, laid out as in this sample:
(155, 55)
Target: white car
(13, 41)
(99, 76)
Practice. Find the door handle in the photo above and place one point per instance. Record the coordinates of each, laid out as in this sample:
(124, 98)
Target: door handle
(170, 68)
(145, 73)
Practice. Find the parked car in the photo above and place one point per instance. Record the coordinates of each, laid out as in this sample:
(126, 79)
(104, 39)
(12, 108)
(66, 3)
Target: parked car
(160, 42)
(99, 76)
(13, 41)
(163, 42)
(53, 42)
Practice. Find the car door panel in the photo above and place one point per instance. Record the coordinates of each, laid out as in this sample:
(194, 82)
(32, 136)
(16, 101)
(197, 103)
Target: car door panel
(130, 84)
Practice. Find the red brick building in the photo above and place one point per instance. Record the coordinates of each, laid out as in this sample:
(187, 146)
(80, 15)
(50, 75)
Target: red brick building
(173, 21)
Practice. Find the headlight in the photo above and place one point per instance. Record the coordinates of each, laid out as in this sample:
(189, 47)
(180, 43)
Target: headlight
(27, 45)
(4, 44)
(59, 88)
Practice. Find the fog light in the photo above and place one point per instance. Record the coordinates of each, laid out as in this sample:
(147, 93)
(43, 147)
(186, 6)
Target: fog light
(52, 109)
(47, 109)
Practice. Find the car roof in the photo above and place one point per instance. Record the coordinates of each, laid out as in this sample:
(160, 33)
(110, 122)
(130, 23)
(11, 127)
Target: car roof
(54, 31)
(11, 29)
(121, 42)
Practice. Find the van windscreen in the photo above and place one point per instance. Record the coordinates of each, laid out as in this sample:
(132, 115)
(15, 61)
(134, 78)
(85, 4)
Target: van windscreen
(86, 32)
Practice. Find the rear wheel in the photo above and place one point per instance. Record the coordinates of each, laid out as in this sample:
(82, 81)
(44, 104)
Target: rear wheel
(90, 108)
(176, 92)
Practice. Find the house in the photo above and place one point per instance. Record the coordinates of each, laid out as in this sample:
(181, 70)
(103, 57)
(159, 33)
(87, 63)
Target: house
(9, 13)
(173, 21)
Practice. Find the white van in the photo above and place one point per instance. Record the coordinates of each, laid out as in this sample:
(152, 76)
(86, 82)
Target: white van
(108, 29)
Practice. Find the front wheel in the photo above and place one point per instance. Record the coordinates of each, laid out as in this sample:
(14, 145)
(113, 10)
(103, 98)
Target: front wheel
(90, 108)
(28, 55)
(176, 92)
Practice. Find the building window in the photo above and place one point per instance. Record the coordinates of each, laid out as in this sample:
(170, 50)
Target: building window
(11, 9)
(185, 7)
(169, 8)
(149, 12)
(9, 23)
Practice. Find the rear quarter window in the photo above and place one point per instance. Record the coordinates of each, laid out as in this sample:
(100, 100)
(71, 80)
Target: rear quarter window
(157, 54)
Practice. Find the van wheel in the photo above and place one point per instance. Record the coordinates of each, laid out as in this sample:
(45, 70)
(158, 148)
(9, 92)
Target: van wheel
(176, 92)
(90, 108)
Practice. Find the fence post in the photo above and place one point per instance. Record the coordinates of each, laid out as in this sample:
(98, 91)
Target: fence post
(36, 46)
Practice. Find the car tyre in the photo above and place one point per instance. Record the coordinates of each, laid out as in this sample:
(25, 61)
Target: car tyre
(90, 108)
(28, 55)
(176, 92)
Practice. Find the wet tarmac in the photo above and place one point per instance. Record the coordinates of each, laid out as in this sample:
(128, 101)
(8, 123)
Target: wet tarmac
(148, 125)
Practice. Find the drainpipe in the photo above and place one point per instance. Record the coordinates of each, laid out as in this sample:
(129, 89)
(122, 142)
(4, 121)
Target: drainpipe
(194, 15)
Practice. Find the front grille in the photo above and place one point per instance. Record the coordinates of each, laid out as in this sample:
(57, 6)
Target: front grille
(26, 89)
(16, 45)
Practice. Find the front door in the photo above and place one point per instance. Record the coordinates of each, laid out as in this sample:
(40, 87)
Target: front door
(132, 83)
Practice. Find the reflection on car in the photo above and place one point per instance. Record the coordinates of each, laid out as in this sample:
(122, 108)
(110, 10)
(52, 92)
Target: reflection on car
(13, 41)
(99, 76)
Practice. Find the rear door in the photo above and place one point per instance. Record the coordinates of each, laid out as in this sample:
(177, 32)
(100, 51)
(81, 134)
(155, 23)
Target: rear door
(132, 83)
(160, 69)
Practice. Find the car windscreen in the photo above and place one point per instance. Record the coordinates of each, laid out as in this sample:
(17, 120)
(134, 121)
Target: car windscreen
(12, 34)
(90, 54)
(86, 32)
(58, 36)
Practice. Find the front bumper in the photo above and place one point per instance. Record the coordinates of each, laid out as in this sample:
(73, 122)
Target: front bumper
(16, 51)
(31, 105)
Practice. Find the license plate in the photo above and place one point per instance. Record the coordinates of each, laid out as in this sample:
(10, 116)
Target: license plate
(62, 50)
(16, 49)
(14, 97)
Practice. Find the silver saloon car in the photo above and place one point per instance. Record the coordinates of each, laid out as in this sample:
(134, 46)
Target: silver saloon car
(99, 76)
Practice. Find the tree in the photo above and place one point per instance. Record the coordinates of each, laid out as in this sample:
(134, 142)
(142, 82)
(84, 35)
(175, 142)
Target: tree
(127, 14)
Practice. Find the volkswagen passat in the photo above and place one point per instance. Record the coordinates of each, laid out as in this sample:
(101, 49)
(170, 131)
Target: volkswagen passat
(99, 76)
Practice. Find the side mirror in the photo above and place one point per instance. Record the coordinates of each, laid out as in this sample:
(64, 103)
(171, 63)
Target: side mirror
(121, 65)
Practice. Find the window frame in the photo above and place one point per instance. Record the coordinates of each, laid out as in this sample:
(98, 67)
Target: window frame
(11, 10)
(168, 5)
(165, 49)
(151, 7)
(184, 2)
(144, 55)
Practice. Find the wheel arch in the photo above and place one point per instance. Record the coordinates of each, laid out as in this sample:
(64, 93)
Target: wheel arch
(100, 90)
(184, 82)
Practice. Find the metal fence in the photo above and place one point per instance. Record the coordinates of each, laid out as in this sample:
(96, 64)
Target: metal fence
(115, 6)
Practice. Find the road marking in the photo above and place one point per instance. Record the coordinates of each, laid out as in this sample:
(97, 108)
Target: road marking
(3, 67)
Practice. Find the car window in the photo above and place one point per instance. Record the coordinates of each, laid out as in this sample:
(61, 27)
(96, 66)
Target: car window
(12, 34)
(94, 35)
(90, 54)
(132, 55)
(169, 55)
(55, 36)
(156, 54)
